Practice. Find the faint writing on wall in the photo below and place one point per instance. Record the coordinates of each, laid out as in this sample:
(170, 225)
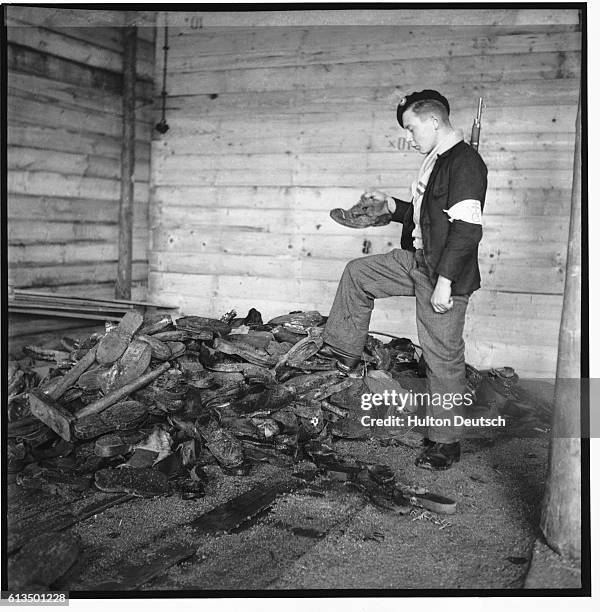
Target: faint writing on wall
(195, 22)
(402, 144)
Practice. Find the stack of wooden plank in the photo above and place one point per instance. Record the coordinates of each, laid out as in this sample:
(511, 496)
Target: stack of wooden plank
(59, 305)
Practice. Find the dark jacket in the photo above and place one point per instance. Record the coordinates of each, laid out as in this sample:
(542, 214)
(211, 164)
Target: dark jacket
(450, 248)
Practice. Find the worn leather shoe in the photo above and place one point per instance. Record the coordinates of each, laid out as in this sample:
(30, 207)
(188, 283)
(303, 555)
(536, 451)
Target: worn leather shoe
(348, 361)
(438, 456)
(365, 213)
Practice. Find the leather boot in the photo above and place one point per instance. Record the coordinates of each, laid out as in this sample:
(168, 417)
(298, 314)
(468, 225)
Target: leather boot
(346, 360)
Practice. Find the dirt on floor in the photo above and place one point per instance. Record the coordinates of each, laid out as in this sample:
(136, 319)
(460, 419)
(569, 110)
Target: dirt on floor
(326, 535)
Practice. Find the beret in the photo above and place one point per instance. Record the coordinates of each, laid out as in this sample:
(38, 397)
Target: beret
(417, 96)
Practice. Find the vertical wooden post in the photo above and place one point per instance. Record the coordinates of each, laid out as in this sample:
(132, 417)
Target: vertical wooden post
(561, 512)
(123, 284)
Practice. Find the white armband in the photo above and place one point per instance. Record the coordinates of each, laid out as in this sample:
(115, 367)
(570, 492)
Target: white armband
(465, 210)
(391, 204)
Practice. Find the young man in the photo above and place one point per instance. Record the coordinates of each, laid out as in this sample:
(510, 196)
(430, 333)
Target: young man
(437, 264)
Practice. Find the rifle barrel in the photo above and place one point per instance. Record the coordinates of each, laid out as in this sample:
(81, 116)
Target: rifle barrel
(479, 109)
(475, 130)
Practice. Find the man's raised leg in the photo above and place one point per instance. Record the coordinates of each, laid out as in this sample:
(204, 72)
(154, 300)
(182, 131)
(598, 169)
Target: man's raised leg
(364, 280)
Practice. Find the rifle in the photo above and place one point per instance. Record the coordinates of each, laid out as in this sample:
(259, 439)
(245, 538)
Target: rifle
(476, 126)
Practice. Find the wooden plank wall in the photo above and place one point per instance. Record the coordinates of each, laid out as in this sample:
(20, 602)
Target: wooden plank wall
(64, 147)
(276, 118)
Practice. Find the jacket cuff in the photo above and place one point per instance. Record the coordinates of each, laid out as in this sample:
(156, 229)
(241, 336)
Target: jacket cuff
(401, 209)
(446, 271)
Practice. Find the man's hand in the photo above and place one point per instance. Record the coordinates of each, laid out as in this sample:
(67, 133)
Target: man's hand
(440, 298)
(375, 201)
(374, 196)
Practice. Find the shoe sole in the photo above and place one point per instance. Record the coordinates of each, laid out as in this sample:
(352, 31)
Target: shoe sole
(433, 502)
(338, 215)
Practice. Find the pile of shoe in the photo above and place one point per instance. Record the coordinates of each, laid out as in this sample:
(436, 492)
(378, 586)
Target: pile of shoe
(150, 403)
(145, 406)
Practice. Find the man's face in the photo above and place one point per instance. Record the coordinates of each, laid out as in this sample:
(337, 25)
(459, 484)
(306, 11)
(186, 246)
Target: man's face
(420, 134)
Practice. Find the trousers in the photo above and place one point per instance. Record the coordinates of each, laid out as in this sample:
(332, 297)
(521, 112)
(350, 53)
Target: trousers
(398, 273)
